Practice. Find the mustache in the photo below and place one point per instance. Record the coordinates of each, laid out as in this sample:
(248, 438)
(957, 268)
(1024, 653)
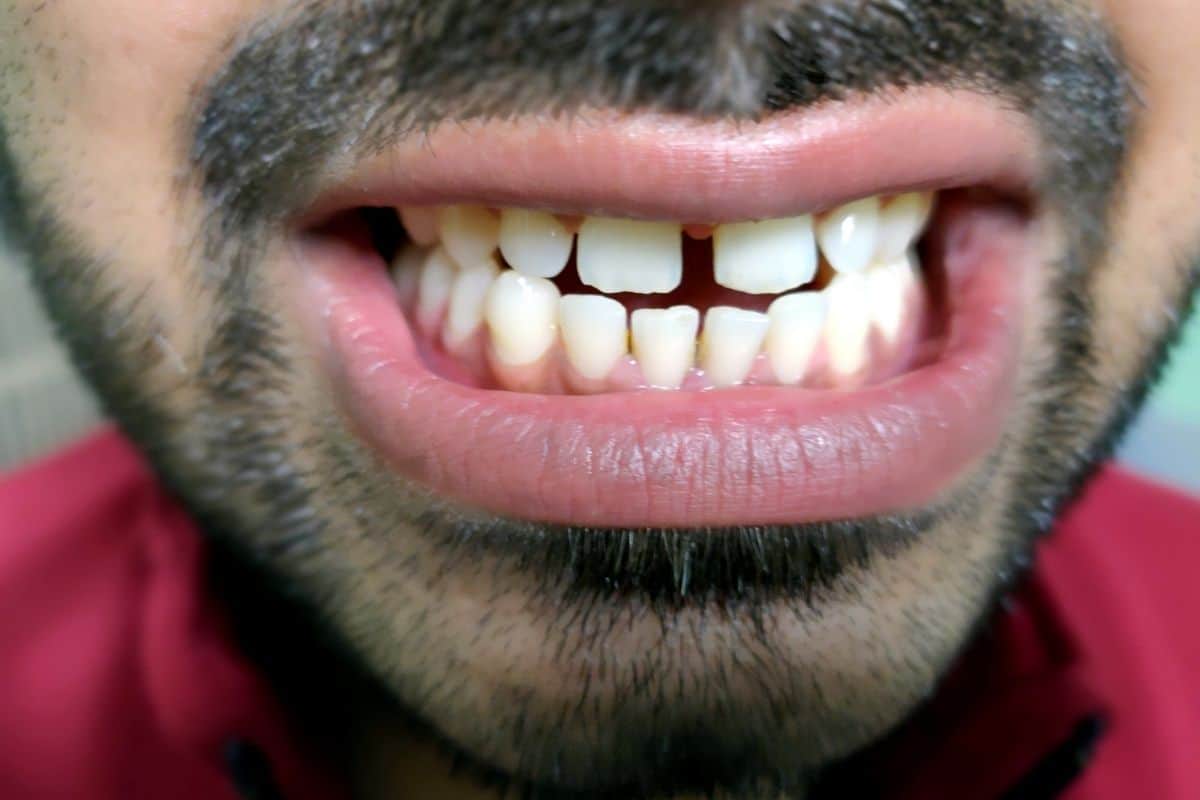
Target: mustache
(319, 80)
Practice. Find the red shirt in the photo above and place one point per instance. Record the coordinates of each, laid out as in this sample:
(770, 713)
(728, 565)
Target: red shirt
(119, 680)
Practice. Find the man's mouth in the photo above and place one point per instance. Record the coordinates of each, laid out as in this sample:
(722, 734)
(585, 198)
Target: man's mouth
(532, 301)
(827, 329)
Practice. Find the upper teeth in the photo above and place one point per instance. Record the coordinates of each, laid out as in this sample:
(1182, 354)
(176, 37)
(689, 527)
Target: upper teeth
(901, 223)
(765, 257)
(534, 243)
(849, 235)
(623, 255)
(469, 234)
(461, 287)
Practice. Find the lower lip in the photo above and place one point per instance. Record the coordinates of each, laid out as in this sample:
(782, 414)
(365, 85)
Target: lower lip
(759, 455)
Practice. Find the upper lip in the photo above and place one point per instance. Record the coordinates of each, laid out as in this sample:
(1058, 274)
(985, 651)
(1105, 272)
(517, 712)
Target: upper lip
(656, 167)
(748, 456)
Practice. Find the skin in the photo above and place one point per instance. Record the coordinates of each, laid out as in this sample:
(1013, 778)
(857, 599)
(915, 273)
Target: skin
(428, 648)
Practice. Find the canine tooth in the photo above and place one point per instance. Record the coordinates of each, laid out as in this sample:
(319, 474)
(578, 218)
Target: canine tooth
(889, 287)
(732, 339)
(848, 235)
(470, 234)
(901, 223)
(623, 255)
(664, 343)
(796, 324)
(421, 224)
(467, 297)
(595, 333)
(766, 257)
(534, 243)
(522, 315)
(848, 325)
(437, 279)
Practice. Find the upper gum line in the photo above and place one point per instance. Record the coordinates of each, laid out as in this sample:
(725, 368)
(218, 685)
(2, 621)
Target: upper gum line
(462, 286)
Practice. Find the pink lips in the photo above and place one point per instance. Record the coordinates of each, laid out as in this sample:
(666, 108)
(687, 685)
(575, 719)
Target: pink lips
(746, 456)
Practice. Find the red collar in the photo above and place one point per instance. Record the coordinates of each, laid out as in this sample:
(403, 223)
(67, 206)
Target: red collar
(1019, 715)
(120, 657)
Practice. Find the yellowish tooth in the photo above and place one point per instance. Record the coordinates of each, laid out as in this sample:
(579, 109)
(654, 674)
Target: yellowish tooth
(437, 280)
(901, 223)
(625, 255)
(406, 270)
(732, 339)
(535, 243)
(768, 257)
(848, 235)
(421, 224)
(470, 234)
(522, 316)
(664, 343)
(797, 321)
(890, 287)
(595, 333)
(848, 324)
(467, 297)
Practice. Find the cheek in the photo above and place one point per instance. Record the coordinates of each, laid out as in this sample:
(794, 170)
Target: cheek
(1156, 230)
(94, 101)
(104, 87)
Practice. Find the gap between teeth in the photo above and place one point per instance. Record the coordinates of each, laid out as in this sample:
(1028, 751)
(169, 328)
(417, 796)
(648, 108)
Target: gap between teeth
(461, 289)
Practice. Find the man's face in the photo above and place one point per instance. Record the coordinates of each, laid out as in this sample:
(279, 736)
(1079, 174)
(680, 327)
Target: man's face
(574, 581)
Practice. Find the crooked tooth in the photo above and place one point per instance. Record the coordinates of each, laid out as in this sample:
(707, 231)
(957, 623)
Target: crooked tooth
(848, 325)
(664, 343)
(421, 224)
(437, 280)
(890, 287)
(467, 297)
(901, 223)
(732, 339)
(766, 257)
(534, 243)
(522, 316)
(848, 235)
(623, 255)
(594, 333)
(470, 234)
(797, 321)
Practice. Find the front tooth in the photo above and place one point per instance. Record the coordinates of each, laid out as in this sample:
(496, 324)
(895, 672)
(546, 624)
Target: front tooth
(437, 279)
(623, 255)
(731, 341)
(796, 324)
(766, 257)
(470, 234)
(848, 326)
(534, 243)
(522, 315)
(901, 223)
(664, 343)
(594, 333)
(848, 235)
(467, 298)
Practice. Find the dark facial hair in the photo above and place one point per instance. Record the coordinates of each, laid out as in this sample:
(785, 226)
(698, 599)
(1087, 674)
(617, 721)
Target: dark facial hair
(323, 80)
(327, 79)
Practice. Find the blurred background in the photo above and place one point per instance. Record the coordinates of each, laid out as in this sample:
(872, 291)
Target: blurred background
(43, 405)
